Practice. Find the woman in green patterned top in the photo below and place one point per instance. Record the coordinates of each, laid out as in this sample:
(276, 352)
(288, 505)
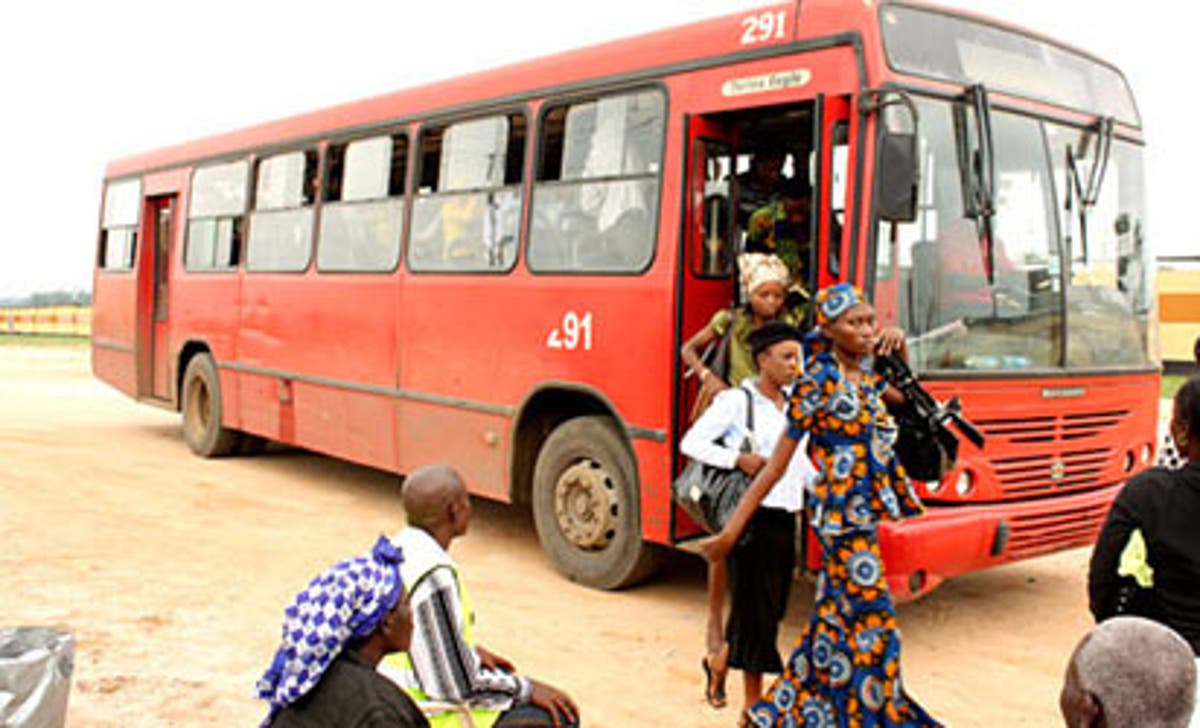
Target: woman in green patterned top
(764, 282)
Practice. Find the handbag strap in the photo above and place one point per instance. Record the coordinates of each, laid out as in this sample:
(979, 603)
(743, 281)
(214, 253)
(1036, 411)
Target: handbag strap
(748, 440)
(720, 362)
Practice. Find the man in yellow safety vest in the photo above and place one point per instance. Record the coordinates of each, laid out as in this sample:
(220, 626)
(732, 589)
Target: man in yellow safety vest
(458, 683)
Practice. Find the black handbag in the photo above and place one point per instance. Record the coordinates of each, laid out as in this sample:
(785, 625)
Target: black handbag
(710, 494)
(926, 446)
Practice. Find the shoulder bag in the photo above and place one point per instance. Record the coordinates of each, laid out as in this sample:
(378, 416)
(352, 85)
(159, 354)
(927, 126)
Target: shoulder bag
(710, 494)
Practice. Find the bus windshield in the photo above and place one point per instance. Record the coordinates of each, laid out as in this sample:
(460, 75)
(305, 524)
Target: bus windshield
(969, 51)
(935, 269)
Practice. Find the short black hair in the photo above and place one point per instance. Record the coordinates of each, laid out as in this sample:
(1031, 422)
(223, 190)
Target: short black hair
(795, 188)
(1187, 405)
(769, 150)
(770, 334)
(1196, 351)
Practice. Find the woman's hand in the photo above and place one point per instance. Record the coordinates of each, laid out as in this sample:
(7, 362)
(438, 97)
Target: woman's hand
(716, 547)
(750, 463)
(712, 382)
(891, 339)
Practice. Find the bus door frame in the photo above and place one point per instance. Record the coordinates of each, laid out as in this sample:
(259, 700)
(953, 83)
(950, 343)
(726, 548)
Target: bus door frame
(699, 295)
(158, 230)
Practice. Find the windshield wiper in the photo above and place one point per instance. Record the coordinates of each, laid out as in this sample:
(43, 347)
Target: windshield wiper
(1089, 196)
(977, 166)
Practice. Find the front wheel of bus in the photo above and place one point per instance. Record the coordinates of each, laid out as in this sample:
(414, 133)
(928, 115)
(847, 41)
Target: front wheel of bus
(202, 427)
(586, 507)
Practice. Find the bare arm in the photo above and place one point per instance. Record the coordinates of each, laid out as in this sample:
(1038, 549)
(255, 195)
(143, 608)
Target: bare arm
(892, 340)
(717, 547)
(691, 348)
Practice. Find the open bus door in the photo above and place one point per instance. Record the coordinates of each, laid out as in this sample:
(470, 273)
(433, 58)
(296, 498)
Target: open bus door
(158, 225)
(708, 254)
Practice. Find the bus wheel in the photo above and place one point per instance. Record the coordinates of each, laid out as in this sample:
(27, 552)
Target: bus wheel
(202, 410)
(585, 505)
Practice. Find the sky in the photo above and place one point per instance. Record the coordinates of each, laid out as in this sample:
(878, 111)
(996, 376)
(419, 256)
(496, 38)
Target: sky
(85, 84)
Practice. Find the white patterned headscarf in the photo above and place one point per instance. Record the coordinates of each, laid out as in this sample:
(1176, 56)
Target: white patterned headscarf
(344, 603)
(759, 268)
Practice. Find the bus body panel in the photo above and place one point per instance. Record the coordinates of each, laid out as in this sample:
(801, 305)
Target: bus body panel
(114, 329)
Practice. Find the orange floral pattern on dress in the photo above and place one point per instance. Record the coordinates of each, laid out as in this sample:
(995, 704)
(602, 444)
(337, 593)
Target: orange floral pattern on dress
(845, 669)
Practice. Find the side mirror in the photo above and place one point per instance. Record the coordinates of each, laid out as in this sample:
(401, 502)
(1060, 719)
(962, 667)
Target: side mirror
(897, 174)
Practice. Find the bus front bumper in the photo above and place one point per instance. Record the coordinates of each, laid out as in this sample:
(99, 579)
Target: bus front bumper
(948, 541)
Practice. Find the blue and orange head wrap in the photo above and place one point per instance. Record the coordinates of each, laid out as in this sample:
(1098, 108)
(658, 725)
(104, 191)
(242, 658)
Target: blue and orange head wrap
(836, 300)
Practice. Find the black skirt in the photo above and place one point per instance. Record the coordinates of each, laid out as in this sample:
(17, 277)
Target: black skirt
(760, 576)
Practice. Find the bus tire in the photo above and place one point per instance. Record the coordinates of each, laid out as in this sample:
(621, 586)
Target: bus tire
(586, 505)
(202, 429)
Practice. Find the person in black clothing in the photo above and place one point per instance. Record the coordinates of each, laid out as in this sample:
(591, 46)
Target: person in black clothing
(1147, 559)
(335, 632)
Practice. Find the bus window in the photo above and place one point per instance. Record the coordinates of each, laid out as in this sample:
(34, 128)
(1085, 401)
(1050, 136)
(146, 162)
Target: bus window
(280, 238)
(118, 236)
(596, 194)
(467, 212)
(363, 205)
(218, 204)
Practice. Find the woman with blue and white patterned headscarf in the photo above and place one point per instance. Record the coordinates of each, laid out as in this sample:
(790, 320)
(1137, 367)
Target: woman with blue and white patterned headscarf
(845, 670)
(334, 634)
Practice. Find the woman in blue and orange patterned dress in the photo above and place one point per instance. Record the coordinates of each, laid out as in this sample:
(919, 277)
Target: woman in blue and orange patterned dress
(845, 671)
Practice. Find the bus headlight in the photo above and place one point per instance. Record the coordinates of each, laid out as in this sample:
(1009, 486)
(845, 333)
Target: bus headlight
(964, 484)
(1147, 452)
(1130, 461)
(933, 487)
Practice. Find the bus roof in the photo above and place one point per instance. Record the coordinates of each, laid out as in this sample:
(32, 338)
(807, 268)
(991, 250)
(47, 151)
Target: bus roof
(707, 38)
(642, 56)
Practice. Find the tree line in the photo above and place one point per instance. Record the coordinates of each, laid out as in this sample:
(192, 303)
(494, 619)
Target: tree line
(77, 297)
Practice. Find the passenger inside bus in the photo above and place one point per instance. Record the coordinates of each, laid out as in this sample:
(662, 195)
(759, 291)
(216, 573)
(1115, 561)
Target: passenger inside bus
(783, 227)
(759, 185)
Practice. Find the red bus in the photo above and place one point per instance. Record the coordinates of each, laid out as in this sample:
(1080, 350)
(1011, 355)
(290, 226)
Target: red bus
(497, 271)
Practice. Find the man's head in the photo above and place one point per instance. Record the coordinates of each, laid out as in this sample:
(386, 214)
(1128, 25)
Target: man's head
(1185, 419)
(796, 195)
(1129, 671)
(435, 500)
(767, 165)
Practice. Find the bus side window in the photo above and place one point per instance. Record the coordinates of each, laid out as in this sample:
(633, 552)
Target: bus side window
(839, 171)
(215, 217)
(467, 211)
(280, 237)
(595, 198)
(362, 214)
(118, 234)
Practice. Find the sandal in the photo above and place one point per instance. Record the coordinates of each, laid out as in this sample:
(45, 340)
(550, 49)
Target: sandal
(714, 682)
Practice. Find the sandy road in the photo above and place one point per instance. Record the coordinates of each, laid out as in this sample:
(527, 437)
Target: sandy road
(173, 571)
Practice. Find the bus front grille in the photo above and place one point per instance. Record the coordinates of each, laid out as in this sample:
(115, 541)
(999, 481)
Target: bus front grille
(1054, 454)
(1052, 530)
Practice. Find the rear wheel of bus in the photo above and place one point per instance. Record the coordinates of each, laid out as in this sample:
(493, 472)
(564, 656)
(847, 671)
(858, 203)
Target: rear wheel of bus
(201, 395)
(586, 505)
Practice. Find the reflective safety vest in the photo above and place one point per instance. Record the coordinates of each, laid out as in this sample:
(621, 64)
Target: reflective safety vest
(420, 560)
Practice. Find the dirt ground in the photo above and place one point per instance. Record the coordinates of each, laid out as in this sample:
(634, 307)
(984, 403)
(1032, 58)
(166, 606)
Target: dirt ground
(173, 571)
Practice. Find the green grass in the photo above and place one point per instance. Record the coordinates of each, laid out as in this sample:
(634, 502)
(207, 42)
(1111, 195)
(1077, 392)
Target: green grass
(42, 340)
(1171, 384)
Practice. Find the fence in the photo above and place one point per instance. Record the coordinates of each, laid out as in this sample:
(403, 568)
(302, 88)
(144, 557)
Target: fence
(56, 320)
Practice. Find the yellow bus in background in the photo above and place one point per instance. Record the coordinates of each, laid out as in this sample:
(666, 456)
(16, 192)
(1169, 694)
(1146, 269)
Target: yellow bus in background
(1178, 310)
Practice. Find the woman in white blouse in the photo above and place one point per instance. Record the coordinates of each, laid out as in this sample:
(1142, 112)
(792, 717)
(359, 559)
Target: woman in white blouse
(759, 570)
